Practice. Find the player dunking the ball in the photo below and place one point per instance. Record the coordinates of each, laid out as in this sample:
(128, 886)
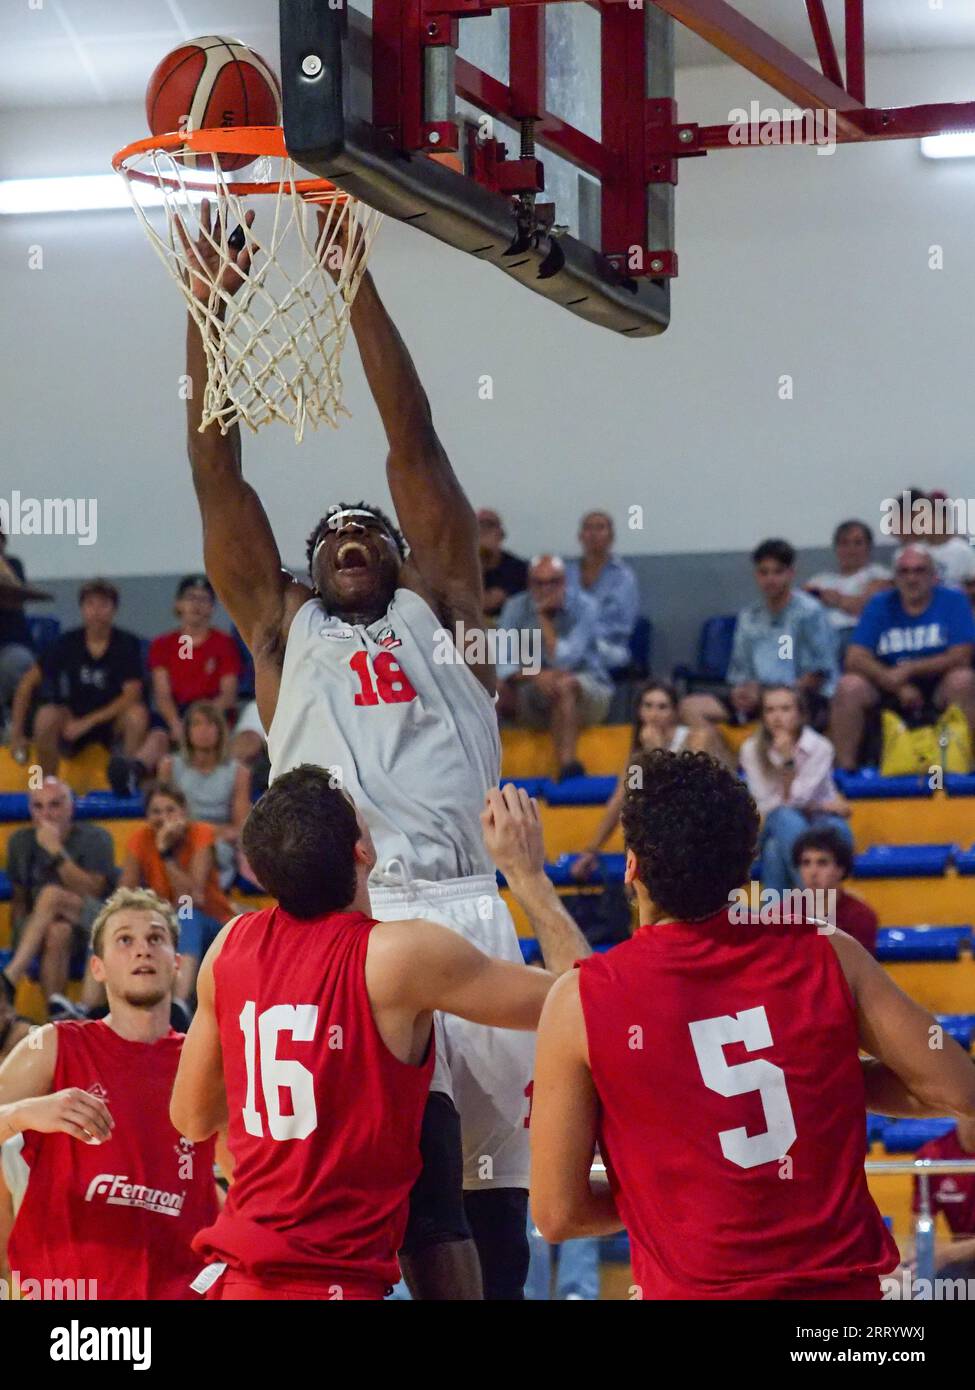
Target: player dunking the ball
(347, 678)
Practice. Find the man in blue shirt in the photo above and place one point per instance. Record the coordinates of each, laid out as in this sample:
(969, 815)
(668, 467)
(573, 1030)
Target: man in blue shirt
(610, 581)
(550, 674)
(912, 651)
(783, 639)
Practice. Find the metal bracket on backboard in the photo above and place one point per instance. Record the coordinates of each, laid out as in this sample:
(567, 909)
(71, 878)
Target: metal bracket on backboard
(331, 129)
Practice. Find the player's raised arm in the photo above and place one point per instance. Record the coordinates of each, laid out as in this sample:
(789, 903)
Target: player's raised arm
(198, 1106)
(915, 1068)
(241, 554)
(437, 519)
(513, 836)
(424, 967)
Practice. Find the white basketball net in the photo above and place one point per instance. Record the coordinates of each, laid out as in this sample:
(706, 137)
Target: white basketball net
(273, 348)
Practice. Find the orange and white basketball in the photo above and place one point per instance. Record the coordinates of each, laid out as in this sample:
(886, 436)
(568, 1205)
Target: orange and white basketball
(212, 83)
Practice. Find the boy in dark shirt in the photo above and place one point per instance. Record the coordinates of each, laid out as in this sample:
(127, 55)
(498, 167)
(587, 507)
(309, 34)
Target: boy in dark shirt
(824, 860)
(90, 686)
(16, 656)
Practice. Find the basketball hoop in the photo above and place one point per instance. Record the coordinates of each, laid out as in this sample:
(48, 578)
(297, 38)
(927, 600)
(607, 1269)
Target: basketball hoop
(273, 347)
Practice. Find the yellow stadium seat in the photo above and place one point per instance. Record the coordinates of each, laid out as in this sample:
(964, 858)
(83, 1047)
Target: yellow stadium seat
(13, 775)
(86, 770)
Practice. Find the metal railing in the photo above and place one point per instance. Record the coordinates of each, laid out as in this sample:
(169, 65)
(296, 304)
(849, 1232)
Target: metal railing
(923, 1169)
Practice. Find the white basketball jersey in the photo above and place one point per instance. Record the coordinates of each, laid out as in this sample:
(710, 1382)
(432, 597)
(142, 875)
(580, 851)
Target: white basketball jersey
(414, 737)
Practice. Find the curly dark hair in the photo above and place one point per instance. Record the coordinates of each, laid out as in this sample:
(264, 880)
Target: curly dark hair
(693, 828)
(377, 512)
(828, 841)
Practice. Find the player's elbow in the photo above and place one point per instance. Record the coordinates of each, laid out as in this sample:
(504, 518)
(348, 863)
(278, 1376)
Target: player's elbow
(190, 1121)
(555, 1218)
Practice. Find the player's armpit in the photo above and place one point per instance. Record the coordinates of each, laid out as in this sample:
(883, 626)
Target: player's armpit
(922, 1071)
(565, 1203)
(438, 969)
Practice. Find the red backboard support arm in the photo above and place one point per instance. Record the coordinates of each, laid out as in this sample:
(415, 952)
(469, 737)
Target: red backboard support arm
(642, 137)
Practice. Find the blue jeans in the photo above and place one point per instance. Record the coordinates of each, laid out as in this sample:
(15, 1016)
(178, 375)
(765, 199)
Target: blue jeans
(782, 828)
(577, 1272)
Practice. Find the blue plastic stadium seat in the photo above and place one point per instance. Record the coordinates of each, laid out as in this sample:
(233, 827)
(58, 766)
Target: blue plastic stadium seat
(6, 891)
(902, 861)
(713, 652)
(5, 958)
(558, 872)
(44, 632)
(108, 806)
(960, 783)
(906, 1136)
(965, 860)
(530, 949)
(922, 943)
(534, 786)
(580, 791)
(961, 1027)
(13, 806)
(615, 1250)
(247, 887)
(868, 785)
(876, 1125)
(611, 867)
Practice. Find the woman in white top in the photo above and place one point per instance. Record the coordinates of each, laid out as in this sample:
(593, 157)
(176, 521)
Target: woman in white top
(789, 771)
(655, 725)
(216, 787)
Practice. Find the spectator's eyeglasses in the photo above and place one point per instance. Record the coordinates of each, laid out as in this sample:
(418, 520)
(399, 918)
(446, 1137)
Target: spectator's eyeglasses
(545, 583)
(912, 569)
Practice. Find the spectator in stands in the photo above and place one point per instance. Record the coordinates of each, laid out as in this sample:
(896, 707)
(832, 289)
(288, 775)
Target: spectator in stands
(953, 555)
(901, 524)
(558, 632)
(216, 788)
(249, 746)
(90, 687)
(845, 591)
(789, 771)
(655, 725)
(783, 639)
(611, 582)
(16, 656)
(503, 574)
(823, 858)
(174, 856)
(954, 1196)
(13, 1027)
(911, 651)
(60, 870)
(194, 662)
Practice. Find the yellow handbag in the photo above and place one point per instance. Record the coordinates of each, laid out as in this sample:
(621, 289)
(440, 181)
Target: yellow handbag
(907, 752)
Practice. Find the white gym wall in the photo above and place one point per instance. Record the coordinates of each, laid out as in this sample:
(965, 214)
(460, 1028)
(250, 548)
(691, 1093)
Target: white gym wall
(791, 263)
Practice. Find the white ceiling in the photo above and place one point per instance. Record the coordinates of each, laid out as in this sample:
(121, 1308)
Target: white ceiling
(80, 52)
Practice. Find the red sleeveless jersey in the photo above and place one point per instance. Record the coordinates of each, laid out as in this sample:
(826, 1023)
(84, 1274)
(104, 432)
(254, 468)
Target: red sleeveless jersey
(324, 1120)
(117, 1218)
(732, 1112)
